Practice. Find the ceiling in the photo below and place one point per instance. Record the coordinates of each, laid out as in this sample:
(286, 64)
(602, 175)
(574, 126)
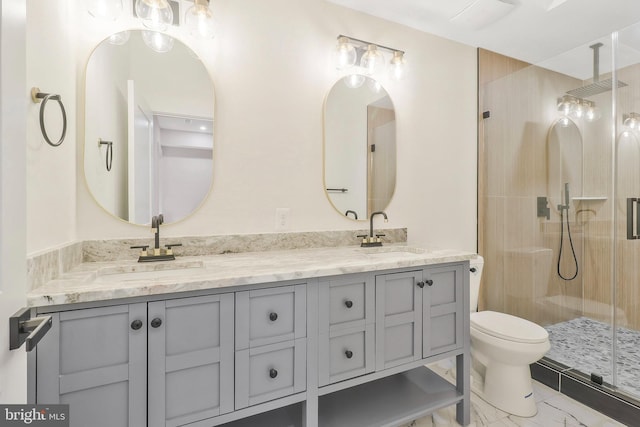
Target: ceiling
(555, 34)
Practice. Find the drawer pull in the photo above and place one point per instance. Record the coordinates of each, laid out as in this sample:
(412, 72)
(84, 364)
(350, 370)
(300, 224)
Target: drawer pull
(273, 373)
(136, 324)
(420, 284)
(273, 316)
(348, 303)
(349, 354)
(155, 323)
(429, 282)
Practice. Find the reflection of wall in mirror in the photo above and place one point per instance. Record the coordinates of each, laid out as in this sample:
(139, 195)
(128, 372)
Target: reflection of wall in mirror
(381, 124)
(107, 95)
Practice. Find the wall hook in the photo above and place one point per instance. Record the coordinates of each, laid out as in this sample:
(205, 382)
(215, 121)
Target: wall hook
(109, 155)
(39, 97)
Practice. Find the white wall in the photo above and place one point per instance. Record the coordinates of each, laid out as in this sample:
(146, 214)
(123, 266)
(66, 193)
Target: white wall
(271, 72)
(13, 106)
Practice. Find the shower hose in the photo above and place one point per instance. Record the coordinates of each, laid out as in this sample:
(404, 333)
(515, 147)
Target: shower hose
(573, 252)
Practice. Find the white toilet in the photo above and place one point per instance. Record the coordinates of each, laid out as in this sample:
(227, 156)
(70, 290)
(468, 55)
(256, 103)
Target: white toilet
(502, 348)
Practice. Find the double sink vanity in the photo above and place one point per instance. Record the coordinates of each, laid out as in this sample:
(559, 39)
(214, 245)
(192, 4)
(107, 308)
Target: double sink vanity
(334, 336)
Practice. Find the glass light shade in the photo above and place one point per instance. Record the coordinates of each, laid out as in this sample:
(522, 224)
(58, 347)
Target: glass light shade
(374, 85)
(592, 113)
(372, 61)
(108, 10)
(199, 20)
(344, 55)
(157, 41)
(398, 66)
(631, 122)
(119, 38)
(354, 81)
(577, 111)
(155, 14)
(564, 121)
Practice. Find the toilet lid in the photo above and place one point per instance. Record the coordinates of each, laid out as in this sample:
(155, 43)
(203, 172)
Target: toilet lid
(508, 327)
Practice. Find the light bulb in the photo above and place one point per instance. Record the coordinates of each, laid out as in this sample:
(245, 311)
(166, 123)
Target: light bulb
(577, 111)
(155, 14)
(631, 122)
(199, 20)
(157, 42)
(398, 66)
(344, 55)
(592, 114)
(372, 61)
(108, 10)
(354, 81)
(119, 38)
(374, 85)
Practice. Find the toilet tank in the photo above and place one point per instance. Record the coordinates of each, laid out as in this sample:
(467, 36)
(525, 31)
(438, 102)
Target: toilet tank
(475, 274)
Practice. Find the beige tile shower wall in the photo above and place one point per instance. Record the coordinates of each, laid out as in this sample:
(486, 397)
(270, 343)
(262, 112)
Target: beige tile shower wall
(521, 249)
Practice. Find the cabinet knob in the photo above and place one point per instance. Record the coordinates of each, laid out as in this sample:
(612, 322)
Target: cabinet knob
(429, 282)
(273, 373)
(348, 303)
(349, 354)
(136, 324)
(273, 316)
(155, 323)
(473, 269)
(420, 284)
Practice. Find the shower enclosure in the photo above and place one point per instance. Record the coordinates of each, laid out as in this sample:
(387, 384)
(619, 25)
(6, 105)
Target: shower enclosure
(559, 195)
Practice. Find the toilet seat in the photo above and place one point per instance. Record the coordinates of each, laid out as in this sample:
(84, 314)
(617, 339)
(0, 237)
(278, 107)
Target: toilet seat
(508, 327)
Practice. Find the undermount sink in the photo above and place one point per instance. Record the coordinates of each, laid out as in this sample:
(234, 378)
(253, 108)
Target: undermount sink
(148, 271)
(386, 251)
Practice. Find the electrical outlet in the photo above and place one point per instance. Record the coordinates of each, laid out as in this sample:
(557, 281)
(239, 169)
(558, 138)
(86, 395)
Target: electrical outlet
(282, 219)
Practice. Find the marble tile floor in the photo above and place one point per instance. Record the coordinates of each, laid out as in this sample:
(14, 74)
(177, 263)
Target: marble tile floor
(585, 344)
(554, 410)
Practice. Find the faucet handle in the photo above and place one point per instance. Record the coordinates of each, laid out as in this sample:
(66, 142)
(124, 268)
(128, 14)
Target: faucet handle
(143, 249)
(169, 250)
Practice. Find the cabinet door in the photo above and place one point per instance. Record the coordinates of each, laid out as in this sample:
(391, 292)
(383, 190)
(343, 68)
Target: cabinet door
(190, 359)
(270, 372)
(267, 316)
(398, 319)
(95, 361)
(443, 309)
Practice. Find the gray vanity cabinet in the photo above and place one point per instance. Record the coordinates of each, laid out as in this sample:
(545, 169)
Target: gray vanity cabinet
(346, 325)
(100, 360)
(418, 314)
(190, 357)
(271, 345)
(95, 360)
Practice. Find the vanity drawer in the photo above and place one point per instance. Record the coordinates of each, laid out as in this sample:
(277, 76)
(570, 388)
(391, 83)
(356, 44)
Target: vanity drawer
(270, 372)
(346, 353)
(267, 316)
(346, 302)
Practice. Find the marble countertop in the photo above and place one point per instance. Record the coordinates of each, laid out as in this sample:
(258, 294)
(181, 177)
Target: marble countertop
(98, 281)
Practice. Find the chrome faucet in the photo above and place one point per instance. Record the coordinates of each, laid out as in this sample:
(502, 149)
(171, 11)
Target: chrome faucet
(368, 241)
(157, 253)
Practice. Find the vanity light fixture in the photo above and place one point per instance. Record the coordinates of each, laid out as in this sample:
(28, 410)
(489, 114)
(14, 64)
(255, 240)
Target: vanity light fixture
(108, 10)
(119, 38)
(199, 20)
(155, 14)
(578, 108)
(367, 57)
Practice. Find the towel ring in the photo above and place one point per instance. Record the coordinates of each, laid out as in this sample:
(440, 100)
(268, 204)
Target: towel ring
(38, 97)
(109, 156)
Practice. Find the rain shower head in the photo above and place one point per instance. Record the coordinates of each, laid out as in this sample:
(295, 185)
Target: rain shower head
(597, 87)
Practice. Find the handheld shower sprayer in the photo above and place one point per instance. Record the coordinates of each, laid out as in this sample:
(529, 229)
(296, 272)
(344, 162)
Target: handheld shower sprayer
(566, 205)
(562, 208)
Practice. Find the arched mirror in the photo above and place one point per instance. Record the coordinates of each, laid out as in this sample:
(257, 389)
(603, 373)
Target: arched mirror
(148, 129)
(359, 147)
